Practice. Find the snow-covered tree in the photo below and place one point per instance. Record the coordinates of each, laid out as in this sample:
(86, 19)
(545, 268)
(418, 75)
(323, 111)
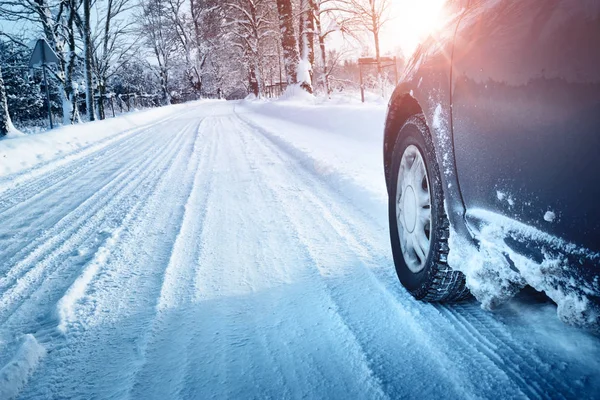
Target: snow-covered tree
(71, 90)
(46, 17)
(24, 98)
(296, 72)
(162, 39)
(369, 16)
(5, 123)
(112, 44)
(213, 53)
(88, 60)
(251, 23)
(307, 36)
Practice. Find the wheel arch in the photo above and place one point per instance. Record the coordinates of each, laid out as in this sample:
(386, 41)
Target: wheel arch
(403, 105)
(411, 98)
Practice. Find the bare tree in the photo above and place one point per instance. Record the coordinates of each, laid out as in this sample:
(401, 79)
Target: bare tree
(329, 16)
(207, 18)
(251, 23)
(369, 16)
(112, 47)
(162, 39)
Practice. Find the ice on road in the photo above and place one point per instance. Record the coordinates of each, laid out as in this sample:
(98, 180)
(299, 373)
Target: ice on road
(240, 250)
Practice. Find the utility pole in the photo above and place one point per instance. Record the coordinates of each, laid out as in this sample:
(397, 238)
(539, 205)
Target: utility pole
(47, 90)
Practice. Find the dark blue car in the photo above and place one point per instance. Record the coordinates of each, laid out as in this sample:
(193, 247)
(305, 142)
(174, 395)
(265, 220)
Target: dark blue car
(492, 156)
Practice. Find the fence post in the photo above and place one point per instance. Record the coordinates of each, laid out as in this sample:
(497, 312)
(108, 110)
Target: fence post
(362, 86)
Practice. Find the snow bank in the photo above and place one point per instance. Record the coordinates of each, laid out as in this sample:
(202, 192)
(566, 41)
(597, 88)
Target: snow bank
(12, 131)
(19, 152)
(295, 93)
(15, 374)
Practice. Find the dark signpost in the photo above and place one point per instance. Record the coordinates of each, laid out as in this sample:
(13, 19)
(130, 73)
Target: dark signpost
(43, 55)
(386, 62)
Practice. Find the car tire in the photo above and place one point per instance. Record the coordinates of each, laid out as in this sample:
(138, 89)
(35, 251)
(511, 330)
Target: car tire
(420, 256)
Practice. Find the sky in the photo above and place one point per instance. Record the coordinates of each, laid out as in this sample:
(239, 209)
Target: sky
(412, 21)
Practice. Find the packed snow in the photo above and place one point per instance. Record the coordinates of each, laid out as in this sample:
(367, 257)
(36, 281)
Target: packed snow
(240, 250)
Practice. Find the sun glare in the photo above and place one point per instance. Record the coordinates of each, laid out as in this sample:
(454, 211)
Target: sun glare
(412, 21)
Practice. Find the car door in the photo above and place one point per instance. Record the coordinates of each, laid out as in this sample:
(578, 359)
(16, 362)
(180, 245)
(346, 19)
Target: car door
(526, 113)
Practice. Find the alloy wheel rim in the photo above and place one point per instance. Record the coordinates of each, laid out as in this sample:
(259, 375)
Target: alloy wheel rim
(413, 209)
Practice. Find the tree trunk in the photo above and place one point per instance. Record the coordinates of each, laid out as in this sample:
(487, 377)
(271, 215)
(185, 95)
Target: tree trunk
(89, 83)
(253, 82)
(5, 124)
(164, 84)
(307, 56)
(324, 78)
(375, 30)
(291, 57)
(101, 93)
(309, 35)
(70, 90)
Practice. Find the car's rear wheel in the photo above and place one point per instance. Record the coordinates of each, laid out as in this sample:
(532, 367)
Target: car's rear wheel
(419, 227)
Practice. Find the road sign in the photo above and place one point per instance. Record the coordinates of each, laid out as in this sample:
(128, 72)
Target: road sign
(44, 55)
(384, 62)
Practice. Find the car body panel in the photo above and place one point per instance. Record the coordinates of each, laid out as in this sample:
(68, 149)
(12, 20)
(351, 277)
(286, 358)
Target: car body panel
(526, 114)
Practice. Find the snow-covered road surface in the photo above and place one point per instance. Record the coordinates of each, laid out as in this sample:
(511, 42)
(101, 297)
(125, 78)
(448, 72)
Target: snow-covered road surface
(237, 250)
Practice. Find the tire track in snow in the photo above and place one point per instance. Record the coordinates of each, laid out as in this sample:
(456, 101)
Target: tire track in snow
(368, 253)
(55, 245)
(277, 263)
(12, 186)
(83, 209)
(233, 335)
(345, 282)
(363, 370)
(120, 304)
(77, 290)
(177, 288)
(493, 340)
(497, 347)
(498, 356)
(46, 218)
(176, 291)
(135, 207)
(37, 186)
(57, 180)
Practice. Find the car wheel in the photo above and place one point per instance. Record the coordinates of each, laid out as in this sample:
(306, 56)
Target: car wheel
(419, 227)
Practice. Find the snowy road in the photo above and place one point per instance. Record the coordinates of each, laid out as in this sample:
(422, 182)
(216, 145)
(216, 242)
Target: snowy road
(223, 252)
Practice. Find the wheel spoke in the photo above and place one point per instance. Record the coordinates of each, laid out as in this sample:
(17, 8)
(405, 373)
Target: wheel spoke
(423, 242)
(419, 251)
(425, 215)
(415, 171)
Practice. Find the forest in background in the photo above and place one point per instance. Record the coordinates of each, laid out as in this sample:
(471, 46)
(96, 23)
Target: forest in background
(118, 55)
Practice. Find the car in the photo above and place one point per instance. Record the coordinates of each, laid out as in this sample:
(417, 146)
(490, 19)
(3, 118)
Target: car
(492, 157)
